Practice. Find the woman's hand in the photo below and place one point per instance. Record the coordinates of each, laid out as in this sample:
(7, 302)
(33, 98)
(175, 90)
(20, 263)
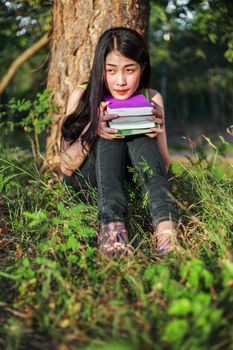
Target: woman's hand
(158, 119)
(66, 165)
(73, 155)
(103, 130)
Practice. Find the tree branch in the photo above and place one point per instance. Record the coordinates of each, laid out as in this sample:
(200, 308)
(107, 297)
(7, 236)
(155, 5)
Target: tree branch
(23, 57)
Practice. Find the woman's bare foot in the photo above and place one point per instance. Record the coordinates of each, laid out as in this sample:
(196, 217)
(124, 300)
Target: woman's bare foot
(164, 237)
(113, 240)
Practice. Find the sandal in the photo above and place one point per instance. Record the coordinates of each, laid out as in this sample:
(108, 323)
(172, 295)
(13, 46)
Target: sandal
(165, 241)
(113, 240)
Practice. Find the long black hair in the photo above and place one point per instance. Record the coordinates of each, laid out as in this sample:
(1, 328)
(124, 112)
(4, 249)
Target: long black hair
(131, 45)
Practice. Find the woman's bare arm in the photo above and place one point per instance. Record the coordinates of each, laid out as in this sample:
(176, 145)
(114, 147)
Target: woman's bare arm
(161, 138)
(73, 155)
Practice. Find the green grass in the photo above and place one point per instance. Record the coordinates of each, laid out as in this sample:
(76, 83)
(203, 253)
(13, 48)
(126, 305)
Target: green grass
(58, 292)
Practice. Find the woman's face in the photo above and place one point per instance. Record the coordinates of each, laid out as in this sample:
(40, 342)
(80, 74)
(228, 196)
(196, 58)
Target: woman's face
(122, 75)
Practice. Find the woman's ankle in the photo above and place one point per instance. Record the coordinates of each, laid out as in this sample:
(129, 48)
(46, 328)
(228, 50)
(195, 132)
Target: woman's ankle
(113, 239)
(165, 225)
(165, 237)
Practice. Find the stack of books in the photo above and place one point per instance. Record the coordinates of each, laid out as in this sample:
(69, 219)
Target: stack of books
(133, 115)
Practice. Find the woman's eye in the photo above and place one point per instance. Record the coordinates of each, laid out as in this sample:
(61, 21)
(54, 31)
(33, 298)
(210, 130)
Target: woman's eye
(111, 71)
(130, 70)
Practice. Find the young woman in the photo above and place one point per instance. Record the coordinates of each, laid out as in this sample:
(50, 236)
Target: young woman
(121, 67)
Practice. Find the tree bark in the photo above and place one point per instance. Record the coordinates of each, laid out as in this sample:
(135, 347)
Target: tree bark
(21, 59)
(77, 26)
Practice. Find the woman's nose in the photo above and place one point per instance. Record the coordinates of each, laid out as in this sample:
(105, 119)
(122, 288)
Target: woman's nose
(121, 79)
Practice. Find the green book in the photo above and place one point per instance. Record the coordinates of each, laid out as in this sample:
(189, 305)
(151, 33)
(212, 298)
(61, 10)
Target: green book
(130, 132)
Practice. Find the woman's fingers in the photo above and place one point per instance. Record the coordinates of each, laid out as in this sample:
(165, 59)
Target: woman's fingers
(67, 167)
(103, 130)
(106, 132)
(103, 106)
(108, 136)
(157, 112)
(104, 127)
(107, 117)
(112, 137)
(152, 135)
(156, 120)
(157, 130)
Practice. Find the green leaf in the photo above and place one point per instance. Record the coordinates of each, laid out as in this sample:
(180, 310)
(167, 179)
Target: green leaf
(26, 262)
(73, 259)
(72, 243)
(180, 307)
(213, 37)
(175, 330)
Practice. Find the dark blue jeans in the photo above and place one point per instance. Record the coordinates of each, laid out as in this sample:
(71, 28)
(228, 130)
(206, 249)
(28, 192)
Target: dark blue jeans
(106, 169)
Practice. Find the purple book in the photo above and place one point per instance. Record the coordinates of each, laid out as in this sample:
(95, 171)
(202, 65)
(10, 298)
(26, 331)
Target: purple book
(138, 104)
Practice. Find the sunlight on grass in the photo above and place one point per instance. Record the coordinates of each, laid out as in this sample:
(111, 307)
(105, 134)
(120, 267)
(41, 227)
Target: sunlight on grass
(56, 286)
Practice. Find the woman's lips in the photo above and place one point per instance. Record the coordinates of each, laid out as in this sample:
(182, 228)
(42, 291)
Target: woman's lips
(121, 92)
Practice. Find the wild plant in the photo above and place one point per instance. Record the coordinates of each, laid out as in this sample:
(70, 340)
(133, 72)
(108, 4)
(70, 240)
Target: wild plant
(58, 290)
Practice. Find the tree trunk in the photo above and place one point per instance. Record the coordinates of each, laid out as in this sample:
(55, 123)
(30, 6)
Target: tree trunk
(77, 25)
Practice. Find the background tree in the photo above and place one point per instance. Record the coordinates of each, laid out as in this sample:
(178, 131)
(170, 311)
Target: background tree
(191, 49)
(77, 26)
(192, 54)
(22, 24)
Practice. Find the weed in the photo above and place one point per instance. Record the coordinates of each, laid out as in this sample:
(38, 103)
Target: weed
(57, 291)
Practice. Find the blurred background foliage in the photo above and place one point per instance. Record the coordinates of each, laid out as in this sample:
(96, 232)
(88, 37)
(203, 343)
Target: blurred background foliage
(22, 23)
(191, 45)
(192, 54)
